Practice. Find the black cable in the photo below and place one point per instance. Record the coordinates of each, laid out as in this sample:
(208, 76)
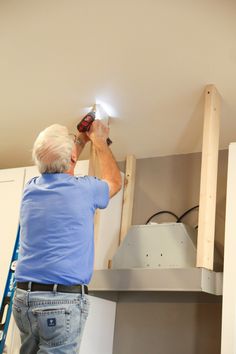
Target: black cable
(162, 212)
(178, 219)
(187, 212)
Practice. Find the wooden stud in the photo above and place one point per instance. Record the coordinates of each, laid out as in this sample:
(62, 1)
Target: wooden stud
(128, 198)
(209, 167)
(94, 170)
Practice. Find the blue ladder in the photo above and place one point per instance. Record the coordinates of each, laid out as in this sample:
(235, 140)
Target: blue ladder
(6, 305)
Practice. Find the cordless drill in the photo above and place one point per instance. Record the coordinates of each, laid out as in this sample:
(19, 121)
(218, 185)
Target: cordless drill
(85, 124)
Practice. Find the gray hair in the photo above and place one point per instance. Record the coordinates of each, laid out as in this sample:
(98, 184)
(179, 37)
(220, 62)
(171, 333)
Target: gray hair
(52, 149)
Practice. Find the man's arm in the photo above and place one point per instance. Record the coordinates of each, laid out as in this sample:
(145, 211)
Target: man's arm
(81, 140)
(110, 172)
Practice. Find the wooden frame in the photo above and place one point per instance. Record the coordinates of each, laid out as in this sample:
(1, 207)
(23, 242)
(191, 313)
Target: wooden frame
(94, 170)
(128, 199)
(209, 167)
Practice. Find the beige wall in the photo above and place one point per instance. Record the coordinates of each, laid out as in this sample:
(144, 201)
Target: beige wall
(168, 323)
(173, 183)
(171, 323)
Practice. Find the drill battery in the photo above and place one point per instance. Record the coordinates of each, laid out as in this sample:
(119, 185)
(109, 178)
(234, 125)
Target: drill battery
(85, 124)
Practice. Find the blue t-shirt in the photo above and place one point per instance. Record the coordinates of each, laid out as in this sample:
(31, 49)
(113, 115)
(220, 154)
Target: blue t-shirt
(57, 222)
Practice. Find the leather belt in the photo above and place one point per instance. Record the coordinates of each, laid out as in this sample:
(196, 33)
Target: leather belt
(30, 286)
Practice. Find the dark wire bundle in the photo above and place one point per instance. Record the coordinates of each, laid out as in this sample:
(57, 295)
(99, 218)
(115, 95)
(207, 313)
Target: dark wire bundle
(178, 218)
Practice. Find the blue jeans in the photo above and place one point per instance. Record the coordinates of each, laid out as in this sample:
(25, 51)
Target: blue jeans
(50, 322)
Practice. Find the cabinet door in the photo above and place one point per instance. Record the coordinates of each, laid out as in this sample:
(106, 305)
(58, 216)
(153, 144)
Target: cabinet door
(99, 329)
(109, 220)
(11, 186)
(108, 230)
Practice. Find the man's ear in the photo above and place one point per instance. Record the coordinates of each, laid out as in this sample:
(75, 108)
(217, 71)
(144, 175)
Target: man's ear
(74, 156)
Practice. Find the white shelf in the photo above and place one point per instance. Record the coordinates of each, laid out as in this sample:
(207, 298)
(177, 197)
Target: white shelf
(161, 279)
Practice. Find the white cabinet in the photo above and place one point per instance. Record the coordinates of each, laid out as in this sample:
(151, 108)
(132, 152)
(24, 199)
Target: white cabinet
(11, 184)
(228, 337)
(99, 330)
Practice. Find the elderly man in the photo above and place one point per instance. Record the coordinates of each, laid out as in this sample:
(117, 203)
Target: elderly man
(57, 241)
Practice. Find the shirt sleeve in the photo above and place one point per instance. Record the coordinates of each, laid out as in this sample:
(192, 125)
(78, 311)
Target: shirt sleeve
(100, 191)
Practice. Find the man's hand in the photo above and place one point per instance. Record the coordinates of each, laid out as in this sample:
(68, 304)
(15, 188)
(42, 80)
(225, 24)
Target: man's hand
(110, 172)
(98, 133)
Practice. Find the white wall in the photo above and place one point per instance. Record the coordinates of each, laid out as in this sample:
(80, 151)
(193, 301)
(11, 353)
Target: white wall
(228, 344)
(11, 184)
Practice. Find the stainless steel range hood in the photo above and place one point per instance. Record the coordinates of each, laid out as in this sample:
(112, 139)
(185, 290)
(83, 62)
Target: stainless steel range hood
(159, 257)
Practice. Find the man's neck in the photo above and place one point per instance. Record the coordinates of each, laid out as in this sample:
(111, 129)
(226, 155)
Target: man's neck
(71, 170)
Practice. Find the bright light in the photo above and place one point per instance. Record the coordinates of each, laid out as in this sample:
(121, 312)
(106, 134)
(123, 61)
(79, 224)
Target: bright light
(101, 113)
(104, 110)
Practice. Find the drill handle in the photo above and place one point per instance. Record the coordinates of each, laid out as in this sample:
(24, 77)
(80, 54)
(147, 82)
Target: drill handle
(85, 124)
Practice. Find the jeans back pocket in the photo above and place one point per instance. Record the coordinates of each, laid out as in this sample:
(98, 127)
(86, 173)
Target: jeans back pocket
(53, 325)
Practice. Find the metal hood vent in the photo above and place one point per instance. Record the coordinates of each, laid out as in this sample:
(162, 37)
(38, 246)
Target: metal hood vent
(167, 245)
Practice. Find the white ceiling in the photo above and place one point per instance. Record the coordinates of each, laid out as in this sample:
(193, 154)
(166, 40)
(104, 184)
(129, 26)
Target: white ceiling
(148, 59)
